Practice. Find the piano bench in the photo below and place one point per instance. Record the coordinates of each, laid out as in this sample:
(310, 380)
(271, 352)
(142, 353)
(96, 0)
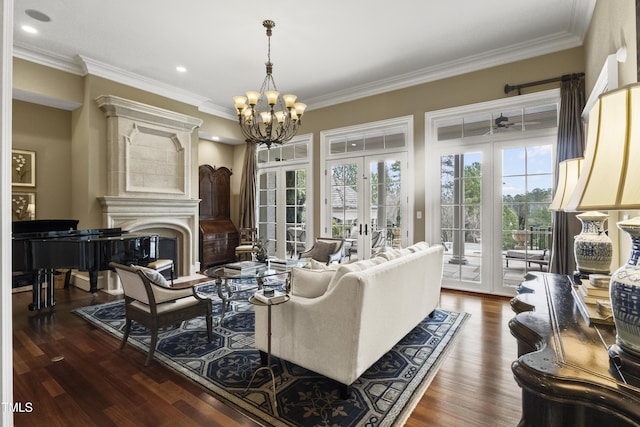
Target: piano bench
(162, 266)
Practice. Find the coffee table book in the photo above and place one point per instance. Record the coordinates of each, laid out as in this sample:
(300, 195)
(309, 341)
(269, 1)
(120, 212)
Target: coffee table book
(244, 267)
(278, 296)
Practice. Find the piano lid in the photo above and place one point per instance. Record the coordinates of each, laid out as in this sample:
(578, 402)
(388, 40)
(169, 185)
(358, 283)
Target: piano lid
(44, 225)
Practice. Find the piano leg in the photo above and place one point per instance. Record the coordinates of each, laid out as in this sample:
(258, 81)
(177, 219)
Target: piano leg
(67, 279)
(39, 278)
(36, 291)
(51, 287)
(93, 281)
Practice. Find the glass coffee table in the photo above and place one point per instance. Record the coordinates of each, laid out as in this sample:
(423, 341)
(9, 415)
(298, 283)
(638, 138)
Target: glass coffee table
(223, 279)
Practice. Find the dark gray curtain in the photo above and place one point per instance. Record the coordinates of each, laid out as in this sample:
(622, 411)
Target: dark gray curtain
(248, 188)
(570, 145)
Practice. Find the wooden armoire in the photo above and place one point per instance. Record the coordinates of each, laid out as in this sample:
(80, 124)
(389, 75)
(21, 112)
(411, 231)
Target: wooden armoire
(218, 235)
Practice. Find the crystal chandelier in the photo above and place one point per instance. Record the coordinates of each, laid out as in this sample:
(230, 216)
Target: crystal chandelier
(268, 118)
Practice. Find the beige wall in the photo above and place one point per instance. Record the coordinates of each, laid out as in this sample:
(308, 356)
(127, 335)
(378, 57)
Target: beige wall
(466, 89)
(47, 82)
(613, 26)
(47, 131)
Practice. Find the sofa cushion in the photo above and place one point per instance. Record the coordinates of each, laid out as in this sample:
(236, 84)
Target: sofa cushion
(309, 283)
(354, 266)
(317, 265)
(521, 254)
(420, 246)
(154, 276)
(390, 254)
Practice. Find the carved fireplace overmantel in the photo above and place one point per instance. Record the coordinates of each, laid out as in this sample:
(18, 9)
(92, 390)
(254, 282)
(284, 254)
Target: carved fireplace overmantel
(149, 149)
(149, 174)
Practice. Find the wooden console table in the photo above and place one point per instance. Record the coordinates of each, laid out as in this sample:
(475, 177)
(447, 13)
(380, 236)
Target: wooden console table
(563, 366)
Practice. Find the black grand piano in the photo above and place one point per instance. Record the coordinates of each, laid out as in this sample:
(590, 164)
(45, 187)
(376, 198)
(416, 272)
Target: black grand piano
(42, 246)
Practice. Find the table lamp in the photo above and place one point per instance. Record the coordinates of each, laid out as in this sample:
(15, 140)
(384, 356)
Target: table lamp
(610, 181)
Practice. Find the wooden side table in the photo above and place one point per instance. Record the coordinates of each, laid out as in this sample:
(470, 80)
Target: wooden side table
(563, 366)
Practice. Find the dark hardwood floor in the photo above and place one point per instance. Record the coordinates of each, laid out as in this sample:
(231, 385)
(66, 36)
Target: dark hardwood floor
(74, 374)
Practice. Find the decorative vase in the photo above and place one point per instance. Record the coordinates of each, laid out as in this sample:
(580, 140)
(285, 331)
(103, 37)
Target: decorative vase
(592, 247)
(625, 292)
(520, 236)
(261, 253)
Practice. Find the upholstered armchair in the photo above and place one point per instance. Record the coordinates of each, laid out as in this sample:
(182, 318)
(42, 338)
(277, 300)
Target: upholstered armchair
(150, 301)
(325, 249)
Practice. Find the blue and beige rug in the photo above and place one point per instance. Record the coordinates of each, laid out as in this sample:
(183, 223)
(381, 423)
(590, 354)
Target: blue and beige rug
(385, 395)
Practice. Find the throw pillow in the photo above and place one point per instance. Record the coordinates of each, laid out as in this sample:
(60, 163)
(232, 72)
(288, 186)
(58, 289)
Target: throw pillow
(390, 254)
(420, 246)
(153, 276)
(310, 283)
(354, 266)
(317, 265)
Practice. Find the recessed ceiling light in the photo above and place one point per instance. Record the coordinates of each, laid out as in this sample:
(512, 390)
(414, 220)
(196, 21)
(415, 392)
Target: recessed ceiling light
(181, 69)
(37, 15)
(29, 29)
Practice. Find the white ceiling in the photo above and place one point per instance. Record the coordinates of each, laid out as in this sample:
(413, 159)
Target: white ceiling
(326, 52)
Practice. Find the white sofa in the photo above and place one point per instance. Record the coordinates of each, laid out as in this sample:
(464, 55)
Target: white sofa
(340, 322)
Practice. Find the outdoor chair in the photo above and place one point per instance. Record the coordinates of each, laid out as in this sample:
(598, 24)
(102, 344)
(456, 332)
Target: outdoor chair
(151, 302)
(325, 249)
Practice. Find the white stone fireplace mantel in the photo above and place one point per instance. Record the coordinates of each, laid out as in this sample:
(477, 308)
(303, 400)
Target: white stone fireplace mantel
(166, 217)
(149, 175)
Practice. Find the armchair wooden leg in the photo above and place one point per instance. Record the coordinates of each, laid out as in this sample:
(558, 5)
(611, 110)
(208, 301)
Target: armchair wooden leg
(127, 329)
(152, 346)
(209, 327)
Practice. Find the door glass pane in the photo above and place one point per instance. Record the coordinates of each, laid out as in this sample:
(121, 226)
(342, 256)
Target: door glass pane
(267, 195)
(526, 220)
(344, 199)
(477, 125)
(385, 204)
(460, 215)
(295, 211)
(541, 117)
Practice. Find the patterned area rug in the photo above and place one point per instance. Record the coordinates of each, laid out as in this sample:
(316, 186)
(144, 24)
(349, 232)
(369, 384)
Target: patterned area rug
(384, 395)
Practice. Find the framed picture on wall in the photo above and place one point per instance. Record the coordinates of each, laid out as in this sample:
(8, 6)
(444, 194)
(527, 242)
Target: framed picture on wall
(23, 168)
(23, 206)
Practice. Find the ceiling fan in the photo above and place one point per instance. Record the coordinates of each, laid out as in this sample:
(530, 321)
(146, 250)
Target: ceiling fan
(502, 122)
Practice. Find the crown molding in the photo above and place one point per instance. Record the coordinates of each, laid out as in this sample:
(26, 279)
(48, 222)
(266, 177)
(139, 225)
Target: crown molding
(104, 70)
(526, 50)
(48, 59)
(216, 110)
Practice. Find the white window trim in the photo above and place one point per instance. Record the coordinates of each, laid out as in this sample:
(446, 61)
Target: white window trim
(308, 165)
(433, 149)
(326, 136)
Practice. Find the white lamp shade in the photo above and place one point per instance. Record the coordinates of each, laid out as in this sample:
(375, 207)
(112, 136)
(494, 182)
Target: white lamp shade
(568, 174)
(610, 178)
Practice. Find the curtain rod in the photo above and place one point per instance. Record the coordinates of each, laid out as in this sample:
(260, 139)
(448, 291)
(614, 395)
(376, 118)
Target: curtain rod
(574, 76)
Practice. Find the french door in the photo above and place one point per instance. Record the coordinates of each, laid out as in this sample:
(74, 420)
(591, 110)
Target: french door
(367, 203)
(489, 182)
(283, 207)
